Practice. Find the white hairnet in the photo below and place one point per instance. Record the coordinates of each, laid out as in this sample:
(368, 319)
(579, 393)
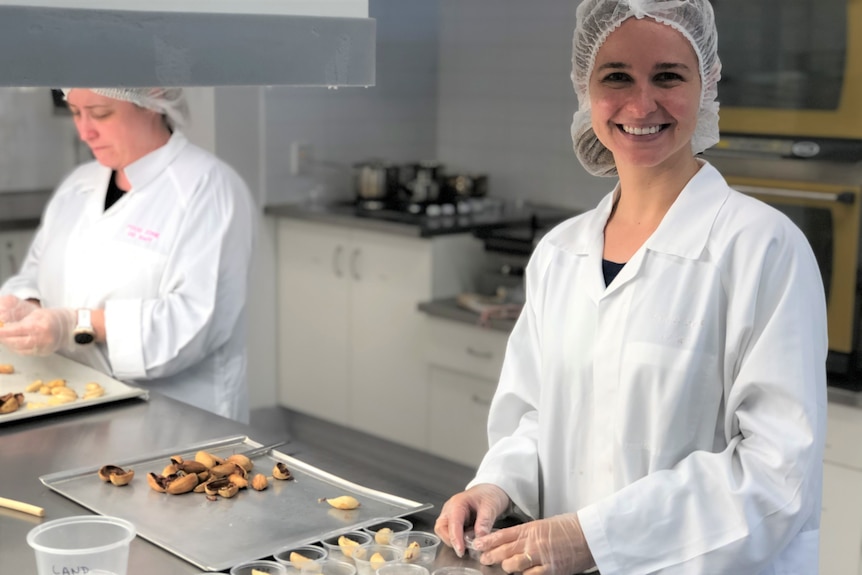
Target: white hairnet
(596, 19)
(171, 102)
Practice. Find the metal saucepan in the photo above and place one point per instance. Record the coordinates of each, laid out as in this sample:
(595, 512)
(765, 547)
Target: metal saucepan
(467, 186)
(425, 186)
(375, 180)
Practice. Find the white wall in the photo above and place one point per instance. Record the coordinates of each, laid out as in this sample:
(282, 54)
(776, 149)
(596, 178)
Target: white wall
(395, 120)
(506, 100)
(480, 85)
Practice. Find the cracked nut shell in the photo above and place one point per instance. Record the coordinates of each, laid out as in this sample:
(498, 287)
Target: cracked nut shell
(280, 471)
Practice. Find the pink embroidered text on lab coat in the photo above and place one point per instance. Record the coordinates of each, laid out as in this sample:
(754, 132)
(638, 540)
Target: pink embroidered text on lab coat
(141, 234)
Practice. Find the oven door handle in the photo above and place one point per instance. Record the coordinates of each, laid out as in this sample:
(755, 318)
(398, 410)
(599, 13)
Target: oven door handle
(840, 197)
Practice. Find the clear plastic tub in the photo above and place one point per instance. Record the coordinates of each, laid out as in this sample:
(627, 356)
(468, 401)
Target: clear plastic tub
(469, 535)
(82, 543)
(341, 553)
(329, 567)
(427, 550)
(456, 570)
(402, 569)
(372, 556)
(394, 525)
(269, 567)
(314, 553)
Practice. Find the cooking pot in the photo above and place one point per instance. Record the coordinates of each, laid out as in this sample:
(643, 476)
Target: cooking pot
(425, 186)
(375, 180)
(467, 186)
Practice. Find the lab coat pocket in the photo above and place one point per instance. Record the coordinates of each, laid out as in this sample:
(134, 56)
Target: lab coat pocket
(668, 399)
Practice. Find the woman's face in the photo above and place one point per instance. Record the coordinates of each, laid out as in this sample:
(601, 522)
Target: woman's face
(117, 132)
(645, 94)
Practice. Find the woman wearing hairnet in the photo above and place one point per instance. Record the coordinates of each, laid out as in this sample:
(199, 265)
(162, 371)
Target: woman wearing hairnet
(661, 407)
(150, 245)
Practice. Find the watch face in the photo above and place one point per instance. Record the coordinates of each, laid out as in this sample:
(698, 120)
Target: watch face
(84, 337)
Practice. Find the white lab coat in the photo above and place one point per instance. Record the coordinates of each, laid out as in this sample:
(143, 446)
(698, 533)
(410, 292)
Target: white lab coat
(683, 407)
(169, 263)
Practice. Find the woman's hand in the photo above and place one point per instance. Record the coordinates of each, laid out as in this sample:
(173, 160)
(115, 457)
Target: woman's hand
(14, 309)
(41, 331)
(485, 502)
(553, 546)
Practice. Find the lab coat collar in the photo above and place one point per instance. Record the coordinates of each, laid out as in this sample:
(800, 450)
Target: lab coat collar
(143, 171)
(685, 228)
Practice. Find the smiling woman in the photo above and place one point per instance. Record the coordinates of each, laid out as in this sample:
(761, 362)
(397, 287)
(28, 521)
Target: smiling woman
(661, 406)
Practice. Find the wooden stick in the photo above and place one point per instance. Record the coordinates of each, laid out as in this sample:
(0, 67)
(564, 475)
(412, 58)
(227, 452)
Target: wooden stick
(23, 507)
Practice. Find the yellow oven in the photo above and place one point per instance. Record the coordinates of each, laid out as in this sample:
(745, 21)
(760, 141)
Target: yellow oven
(828, 214)
(790, 68)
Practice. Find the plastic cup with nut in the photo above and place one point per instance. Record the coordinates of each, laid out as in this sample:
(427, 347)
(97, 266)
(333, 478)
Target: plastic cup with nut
(383, 529)
(418, 547)
(81, 544)
(295, 557)
(372, 556)
(340, 547)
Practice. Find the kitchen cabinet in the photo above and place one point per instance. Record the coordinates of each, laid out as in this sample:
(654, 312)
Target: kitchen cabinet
(841, 518)
(350, 336)
(464, 366)
(13, 250)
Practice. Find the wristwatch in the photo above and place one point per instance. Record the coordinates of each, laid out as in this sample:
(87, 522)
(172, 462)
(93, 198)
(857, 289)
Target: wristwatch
(84, 332)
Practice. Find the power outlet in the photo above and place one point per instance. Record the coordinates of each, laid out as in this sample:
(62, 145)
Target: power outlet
(300, 159)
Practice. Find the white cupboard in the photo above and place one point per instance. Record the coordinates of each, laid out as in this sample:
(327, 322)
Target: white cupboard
(465, 363)
(841, 518)
(350, 336)
(13, 249)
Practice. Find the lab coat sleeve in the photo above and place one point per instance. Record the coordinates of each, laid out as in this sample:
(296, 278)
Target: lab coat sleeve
(25, 283)
(736, 510)
(512, 459)
(203, 290)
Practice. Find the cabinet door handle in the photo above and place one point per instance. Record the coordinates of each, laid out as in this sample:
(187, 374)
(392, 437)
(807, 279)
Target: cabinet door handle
(479, 353)
(480, 400)
(354, 267)
(336, 261)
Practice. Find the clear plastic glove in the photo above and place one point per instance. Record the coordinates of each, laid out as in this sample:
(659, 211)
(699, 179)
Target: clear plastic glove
(553, 546)
(14, 309)
(482, 504)
(42, 331)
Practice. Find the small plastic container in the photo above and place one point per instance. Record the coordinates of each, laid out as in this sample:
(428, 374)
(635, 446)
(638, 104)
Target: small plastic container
(270, 567)
(329, 567)
(456, 570)
(428, 546)
(395, 524)
(403, 569)
(82, 543)
(364, 554)
(469, 536)
(315, 553)
(335, 550)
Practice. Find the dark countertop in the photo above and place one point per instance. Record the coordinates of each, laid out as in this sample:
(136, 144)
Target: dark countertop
(22, 210)
(347, 214)
(30, 448)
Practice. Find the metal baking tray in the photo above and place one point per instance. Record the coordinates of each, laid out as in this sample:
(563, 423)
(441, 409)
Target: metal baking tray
(30, 368)
(216, 535)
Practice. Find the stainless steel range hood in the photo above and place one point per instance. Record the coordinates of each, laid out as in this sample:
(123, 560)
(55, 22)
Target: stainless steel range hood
(95, 43)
